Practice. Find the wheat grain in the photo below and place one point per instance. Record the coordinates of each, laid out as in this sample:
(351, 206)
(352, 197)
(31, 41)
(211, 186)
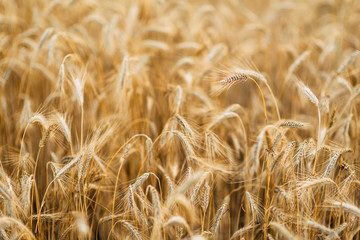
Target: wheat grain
(336, 232)
(185, 125)
(348, 207)
(170, 184)
(309, 94)
(44, 36)
(348, 62)
(156, 202)
(178, 98)
(65, 232)
(140, 181)
(140, 216)
(282, 230)
(296, 63)
(25, 196)
(205, 197)
(331, 164)
(6, 76)
(219, 214)
(198, 185)
(276, 161)
(157, 45)
(67, 167)
(122, 74)
(217, 52)
(48, 217)
(131, 199)
(270, 237)
(315, 182)
(3, 235)
(79, 91)
(252, 74)
(319, 227)
(242, 231)
(279, 214)
(234, 78)
(180, 221)
(65, 128)
(39, 119)
(136, 235)
(149, 145)
(222, 117)
(44, 137)
(291, 124)
(185, 142)
(8, 222)
(51, 48)
(277, 140)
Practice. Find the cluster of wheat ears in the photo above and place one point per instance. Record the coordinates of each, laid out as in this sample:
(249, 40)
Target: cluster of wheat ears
(164, 119)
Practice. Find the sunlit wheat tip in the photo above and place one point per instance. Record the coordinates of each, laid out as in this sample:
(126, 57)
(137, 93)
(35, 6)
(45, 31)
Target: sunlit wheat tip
(79, 91)
(319, 227)
(184, 140)
(170, 184)
(331, 164)
(61, 77)
(156, 201)
(298, 61)
(222, 117)
(252, 74)
(131, 199)
(136, 235)
(205, 197)
(309, 94)
(180, 221)
(65, 128)
(149, 145)
(46, 33)
(219, 214)
(348, 62)
(178, 98)
(278, 214)
(185, 125)
(292, 124)
(276, 161)
(270, 237)
(67, 167)
(234, 78)
(348, 207)
(140, 181)
(242, 231)
(198, 185)
(282, 231)
(123, 71)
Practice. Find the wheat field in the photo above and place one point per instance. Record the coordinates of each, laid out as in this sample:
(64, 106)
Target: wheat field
(193, 119)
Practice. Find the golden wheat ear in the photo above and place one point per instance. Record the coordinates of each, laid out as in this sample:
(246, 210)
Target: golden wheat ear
(225, 83)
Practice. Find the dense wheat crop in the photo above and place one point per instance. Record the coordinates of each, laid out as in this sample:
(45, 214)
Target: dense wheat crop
(164, 119)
